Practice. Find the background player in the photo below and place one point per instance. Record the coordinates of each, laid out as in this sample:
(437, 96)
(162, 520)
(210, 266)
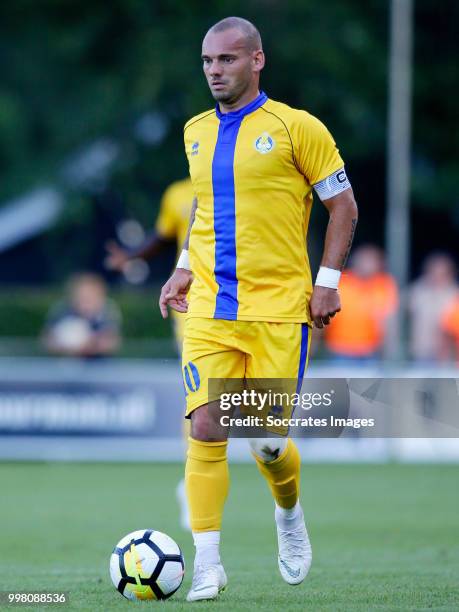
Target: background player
(253, 163)
(171, 226)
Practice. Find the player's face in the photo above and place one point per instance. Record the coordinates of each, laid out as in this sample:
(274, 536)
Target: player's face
(230, 67)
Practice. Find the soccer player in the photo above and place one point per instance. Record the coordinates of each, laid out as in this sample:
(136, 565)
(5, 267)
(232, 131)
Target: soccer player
(171, 225)
(244, 279)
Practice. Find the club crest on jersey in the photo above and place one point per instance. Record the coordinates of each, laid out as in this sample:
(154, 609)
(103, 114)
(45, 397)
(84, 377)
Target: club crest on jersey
(264, 143)
(195, 148)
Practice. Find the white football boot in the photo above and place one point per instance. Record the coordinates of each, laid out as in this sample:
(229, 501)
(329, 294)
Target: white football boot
(208, 582)
(295, 553)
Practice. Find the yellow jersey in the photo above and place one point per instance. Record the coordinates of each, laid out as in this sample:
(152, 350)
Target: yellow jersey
(174, 212)
(252, 172)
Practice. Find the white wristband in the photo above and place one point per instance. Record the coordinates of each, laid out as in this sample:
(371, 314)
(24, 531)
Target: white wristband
(327, 277)
(184, 260)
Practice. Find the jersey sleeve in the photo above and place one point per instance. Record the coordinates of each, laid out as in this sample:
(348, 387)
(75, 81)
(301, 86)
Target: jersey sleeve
(167, 223)
(315, 150)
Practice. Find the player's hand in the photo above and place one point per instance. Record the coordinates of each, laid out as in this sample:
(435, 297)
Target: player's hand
(174, 292)
(325, 303)
(117, 257)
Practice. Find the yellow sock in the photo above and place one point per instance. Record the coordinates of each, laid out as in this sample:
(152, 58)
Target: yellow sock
(207, 483)
(283, 475)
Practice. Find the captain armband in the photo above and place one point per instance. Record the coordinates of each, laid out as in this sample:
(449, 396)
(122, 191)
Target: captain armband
(333, 185)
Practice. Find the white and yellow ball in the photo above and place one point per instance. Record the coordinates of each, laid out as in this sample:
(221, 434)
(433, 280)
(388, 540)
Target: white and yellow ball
(147, 564)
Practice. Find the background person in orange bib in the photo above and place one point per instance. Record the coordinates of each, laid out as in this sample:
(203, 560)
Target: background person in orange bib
(449, 343)
(369, 295)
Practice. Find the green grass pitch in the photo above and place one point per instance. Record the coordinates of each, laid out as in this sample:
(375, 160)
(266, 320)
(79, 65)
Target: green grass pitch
(384, 537)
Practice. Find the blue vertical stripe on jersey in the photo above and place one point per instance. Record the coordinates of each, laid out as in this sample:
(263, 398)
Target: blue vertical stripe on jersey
(227, 304)
(303, 354)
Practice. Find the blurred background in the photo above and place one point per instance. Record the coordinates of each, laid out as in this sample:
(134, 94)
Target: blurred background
(93, 99)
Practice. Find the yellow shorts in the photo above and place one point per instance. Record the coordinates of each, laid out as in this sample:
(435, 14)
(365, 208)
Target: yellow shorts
(178, 322)
(215, 348)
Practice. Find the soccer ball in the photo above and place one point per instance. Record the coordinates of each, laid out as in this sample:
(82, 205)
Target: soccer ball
(147, 564)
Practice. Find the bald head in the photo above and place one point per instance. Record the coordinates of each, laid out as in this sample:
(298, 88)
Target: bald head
(232, 60)
(249, 32)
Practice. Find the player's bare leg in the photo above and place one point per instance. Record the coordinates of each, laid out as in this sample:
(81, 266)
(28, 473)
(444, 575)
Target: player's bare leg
(279, 462)
(207, 482)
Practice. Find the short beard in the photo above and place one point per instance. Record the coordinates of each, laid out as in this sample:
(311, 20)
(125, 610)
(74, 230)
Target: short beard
(230, 97)
(227, 98)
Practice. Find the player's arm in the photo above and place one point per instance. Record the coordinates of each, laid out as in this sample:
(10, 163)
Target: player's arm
(118, 257)
(174, 292)
(318, 159)
(194, 207)
(325, 302)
